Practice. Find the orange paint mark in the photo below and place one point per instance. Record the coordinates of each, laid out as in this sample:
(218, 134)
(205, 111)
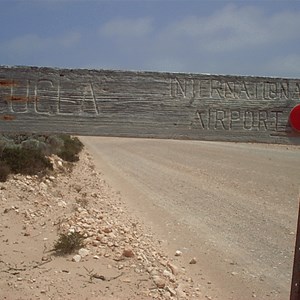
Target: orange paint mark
(8, 117)
(7, 83)
(19, 99)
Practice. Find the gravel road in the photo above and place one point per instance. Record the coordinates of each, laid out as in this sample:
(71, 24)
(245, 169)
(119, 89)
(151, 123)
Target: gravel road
(232, 206)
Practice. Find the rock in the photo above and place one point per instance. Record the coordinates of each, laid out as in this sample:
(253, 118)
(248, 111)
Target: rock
(171, 291)
(173, 268)
(193, 261)
(169, 275)
(160, 282)
(178, 253)
(107, 230)
(128, 252)
(43, 186)
(95, 243)
(45, 258)
(83, 252)
(234, 273)
(77, 188)
(76, 258)
(62, 203)
(104, 240)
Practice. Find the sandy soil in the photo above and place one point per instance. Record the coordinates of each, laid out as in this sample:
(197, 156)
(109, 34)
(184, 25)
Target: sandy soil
(121, 259)
(232, 206)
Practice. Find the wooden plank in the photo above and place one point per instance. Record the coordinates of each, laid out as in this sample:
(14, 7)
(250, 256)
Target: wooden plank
(148, 104)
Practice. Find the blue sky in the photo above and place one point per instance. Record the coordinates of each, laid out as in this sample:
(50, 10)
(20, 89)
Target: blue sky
(201, 36)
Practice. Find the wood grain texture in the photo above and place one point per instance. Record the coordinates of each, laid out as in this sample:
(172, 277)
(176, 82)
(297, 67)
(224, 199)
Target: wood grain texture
(148, 104)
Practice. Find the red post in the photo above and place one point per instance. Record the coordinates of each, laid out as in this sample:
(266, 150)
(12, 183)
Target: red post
(295, 288)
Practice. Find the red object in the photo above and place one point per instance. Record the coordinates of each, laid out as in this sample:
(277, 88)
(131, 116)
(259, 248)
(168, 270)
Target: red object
(295, 118)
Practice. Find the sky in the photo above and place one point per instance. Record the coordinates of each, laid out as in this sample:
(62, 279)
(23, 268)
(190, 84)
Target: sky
(245, 37)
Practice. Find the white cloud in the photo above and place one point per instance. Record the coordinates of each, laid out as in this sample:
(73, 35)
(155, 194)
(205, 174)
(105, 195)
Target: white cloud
(167, 63)
(289, 65)
(234, 39)
(32, 43)
(70, 39)
(124, 28)
(233, 28)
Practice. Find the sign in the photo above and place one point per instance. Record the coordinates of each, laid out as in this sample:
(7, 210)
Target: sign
(148, 104)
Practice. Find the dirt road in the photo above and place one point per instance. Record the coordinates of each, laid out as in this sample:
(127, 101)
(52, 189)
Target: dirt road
(232, 206)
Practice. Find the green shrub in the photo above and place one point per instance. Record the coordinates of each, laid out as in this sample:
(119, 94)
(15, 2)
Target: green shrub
(35, 144)
(26, 153)
(68, 242)
(4, 171)
(25, 161)
(55, 143)
(71, 148)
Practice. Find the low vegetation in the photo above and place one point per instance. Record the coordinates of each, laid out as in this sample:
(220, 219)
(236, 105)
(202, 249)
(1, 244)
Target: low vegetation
(29, 154)
(68, 243)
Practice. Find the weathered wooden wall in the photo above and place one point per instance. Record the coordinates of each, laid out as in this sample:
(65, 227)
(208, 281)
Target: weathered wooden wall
(148, 104)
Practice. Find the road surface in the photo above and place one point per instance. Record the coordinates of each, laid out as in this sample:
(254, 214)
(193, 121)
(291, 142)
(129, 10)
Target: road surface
(232, 206)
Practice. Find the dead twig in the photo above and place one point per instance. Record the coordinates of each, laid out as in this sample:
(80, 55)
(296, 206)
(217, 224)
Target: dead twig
(93, 275)
(16, 270)
(42, 263)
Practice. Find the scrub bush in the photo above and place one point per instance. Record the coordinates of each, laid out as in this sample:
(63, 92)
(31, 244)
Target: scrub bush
(68, 243)
(28, 154)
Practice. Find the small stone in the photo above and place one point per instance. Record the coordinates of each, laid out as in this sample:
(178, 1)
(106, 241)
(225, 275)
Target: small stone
(128, 252)
(83, 252)
(43, 186)
(96, 257)
(95, 243)
(171, 291)
(77, 188)
(19, 278)
(160, 282)
(234, 273)
(169, 275)
(178, 253)
(107, 230)
(76, 258)
(193, 261)
(173, 268)
(62, 203)
(104, 240)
